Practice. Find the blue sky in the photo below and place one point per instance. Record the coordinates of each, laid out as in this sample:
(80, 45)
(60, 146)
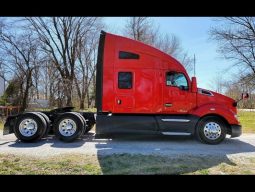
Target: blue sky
(194, 37)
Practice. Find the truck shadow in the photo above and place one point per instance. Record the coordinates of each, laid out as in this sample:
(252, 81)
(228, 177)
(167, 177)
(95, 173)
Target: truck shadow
(53, 142)
(165, 155)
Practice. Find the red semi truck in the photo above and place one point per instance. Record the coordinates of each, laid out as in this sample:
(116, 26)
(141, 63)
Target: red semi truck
(139, 90)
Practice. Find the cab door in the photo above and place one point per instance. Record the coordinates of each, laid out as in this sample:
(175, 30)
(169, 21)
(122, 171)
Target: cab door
(124, 91)
(177, 95)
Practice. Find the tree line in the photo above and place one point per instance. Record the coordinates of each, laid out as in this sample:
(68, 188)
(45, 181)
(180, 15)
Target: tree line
(54, 58)
(236, 42)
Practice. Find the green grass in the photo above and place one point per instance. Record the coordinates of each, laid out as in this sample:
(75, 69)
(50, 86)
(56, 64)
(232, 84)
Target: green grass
(247, 120)
(59, 165)
(203, 172)
(124, 164)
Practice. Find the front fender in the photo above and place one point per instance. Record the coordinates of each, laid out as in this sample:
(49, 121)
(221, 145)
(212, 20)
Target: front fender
(211, 109)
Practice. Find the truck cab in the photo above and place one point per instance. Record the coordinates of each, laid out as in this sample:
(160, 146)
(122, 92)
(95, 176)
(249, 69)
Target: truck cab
(141, 89)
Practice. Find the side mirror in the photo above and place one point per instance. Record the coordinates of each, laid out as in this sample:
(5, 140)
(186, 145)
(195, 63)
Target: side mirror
(245, 95)
(193, 84)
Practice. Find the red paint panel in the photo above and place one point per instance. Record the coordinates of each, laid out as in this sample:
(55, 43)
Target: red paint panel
(149, 93)
(147, 77)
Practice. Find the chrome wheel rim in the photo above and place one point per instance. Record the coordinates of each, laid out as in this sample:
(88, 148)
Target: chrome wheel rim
(212, 130)
(28, 127)
(67, 127)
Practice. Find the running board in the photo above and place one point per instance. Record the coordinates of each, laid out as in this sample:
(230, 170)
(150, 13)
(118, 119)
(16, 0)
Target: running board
(175, 133)
(176, 120)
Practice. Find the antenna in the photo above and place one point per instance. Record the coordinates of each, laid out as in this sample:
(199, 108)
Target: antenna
(194, 65)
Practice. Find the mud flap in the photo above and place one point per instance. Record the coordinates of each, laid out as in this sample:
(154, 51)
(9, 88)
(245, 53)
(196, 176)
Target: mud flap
(9, 125)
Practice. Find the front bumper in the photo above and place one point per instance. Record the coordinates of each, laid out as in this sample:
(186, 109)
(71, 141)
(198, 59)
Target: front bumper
(236, 130)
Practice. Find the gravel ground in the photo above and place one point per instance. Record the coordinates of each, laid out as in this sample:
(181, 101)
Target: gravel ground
(167, 145)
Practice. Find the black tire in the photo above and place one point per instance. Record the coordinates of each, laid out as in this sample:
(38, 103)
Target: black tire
(204, 136)
(78, 123)
(84, 121)
(41, 127)
(46, 118)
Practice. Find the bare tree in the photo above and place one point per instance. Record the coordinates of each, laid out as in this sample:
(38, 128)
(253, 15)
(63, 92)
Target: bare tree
(60, 37)
(218, 84)
(236, 41)
(86, 68)
(169, 44)
(63, 65)
(50, 84)
(143, 29)
(20, 51)
(2, 67)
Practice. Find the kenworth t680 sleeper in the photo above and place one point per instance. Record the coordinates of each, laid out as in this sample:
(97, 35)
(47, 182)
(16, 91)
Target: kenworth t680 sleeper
(139, 90)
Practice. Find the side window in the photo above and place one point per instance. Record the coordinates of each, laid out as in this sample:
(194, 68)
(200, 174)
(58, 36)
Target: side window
(128, 55)
(125, 80)
(177, 79)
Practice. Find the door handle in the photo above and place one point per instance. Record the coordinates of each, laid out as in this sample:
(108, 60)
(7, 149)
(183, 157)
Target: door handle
(119, 101)
(168, 104)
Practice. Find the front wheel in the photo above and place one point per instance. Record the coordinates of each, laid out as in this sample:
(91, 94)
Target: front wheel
(211, 130)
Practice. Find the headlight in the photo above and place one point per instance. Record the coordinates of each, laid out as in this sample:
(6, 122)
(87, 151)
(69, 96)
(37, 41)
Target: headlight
(236, 116)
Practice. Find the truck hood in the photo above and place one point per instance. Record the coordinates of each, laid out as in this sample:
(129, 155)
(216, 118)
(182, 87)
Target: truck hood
(223, 97)
(208, 96)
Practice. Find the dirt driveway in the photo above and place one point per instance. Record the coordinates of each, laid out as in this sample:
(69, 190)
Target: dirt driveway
(168, 146)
